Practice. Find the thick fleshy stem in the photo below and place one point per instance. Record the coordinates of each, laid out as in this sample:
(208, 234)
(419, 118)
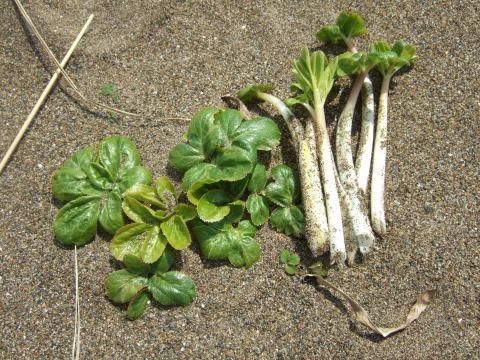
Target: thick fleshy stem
(377, 189)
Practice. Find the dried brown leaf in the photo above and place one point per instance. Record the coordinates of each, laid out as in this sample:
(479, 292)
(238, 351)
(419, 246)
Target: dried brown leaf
(361, 316)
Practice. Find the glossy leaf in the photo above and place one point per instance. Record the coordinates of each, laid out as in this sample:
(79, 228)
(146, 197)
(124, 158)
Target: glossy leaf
(99, 176)
(172, 288)
(138, 305)
(134, 175)
(258, 180)
(176, 232)
(142, 240)
(237, 209)
(76, 222)
(284, 191)
(80, 160)
(122, 286)
(223, 241)
(289, 220)
(144, 193)
(186, 212)
(135, 265)
(165, 262)
(184, 156)
(138, 212)
(257, 207)
(260, 133)
(213, 206)
(118, 154)
(286, 257)
(69, 184)
(231, 164)
(111, 217)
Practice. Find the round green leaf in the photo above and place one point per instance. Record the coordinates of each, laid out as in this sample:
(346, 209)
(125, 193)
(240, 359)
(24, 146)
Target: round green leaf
(199, 175)
(245, 252)
(165, 262)
(213, 240)
(111, 217)
(257, 207)
(172, 288)
(118, 154)
(129, 239)
(184, 156)
(260, 133)
(213, 206)
(229, 120)
(69, 184)
(233, 163)
(122, 286)
(80, 160)
(186, 212)
(176, 232)
(237, 209)
(289, 220)
(99, 176)
(138, 305)
(135, 175)
(284, 190)
(135, 265)
(76, 222)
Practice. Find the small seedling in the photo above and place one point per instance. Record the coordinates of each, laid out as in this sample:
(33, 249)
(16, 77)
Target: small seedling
(110, 90)
(290, 261)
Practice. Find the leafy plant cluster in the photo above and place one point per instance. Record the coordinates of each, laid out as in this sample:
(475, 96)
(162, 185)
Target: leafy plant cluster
(222, 177)
(104, 186)
(107, 187)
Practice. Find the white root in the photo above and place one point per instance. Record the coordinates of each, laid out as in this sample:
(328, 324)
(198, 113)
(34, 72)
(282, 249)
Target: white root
(316, 231)
(362, 231)
(332, 202)
(316, 228)
(363, 161)
(377, 189)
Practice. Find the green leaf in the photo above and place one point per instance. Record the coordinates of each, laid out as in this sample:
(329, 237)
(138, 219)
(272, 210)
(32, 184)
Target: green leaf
(99, 176)
(260, 133)
(258, 179)
(122, 286)
(166, 192)
(135, 265)
(76, 222)
(351, 24)
(133, 176)
(69, 184)
(284, 191)
(213, 206)
(223, 241)
(330, 34)
(196, 192)
(215, 244)
(80, 160)
(314, 72)
(118, 154)
(232, 164)
(394, 57)
(184, 156)
(200, 175)
(290, 269)
(172, 288)
(284, 256)
(142, 240)
(144, 193)
(237, 209)
(249, 93)
(229, 121)
(186, 212)
(257, 207)
(235, 189)
(176, 232)
(289, 220)
(138, 305)
(245, 252)
(165, 262)
(111, 217)
(202, 134)
(138, 212)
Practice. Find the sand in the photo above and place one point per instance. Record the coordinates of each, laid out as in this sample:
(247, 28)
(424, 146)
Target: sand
(169, 58)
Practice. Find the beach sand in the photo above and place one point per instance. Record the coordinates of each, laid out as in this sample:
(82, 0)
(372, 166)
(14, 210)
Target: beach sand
(170, 58)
